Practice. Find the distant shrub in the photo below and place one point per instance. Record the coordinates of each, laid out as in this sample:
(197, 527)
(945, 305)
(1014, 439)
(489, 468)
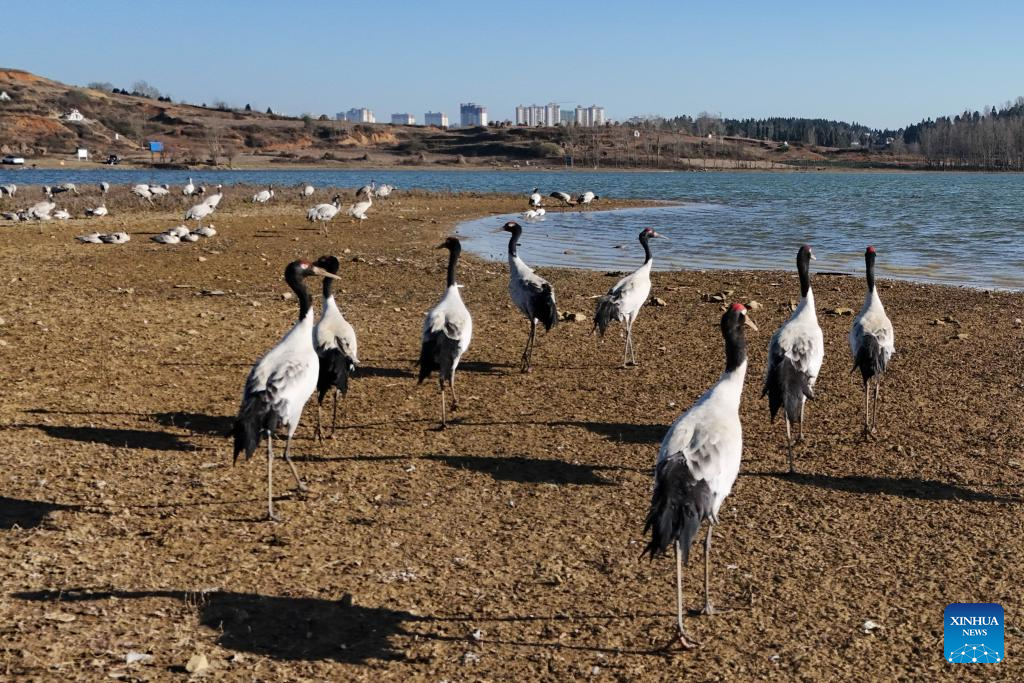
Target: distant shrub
(542, 150)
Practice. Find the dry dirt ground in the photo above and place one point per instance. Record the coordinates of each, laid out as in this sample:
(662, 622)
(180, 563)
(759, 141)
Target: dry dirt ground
(505, 548)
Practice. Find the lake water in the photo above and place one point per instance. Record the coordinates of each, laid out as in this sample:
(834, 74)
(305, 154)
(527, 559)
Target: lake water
(951, 228)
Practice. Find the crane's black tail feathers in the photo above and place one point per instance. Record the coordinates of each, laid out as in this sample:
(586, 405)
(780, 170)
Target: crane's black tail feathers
(335, 369)
(255, 417)
(607, 310)
(870, 358)
(786, 386)
(544, 308)
(678, 506)
(438, 353)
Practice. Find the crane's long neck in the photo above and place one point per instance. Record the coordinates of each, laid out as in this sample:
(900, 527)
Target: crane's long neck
(735, 351)
(869, 263)
(298, 285)
(328, 286)
(803, 266)
(513, 242)
(644, 241)
(453, 260)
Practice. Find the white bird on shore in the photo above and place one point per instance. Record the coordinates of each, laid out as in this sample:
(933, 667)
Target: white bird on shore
(447, 332)
(178, 230)
(531, 294)
(104, 187)
(307, 191)
(263, 196)
(189, 237)
(795, 354)
(367, 190)
(159, 190)
(9, 190)
(90, 238)
(336, 346)
(15, 216)
(872, 343)
(143, 191)
(531, 214)
(586, 198)
(213, 201)
(565, 198)
(359, 209)
(199, 212)
(324, 212)
(281, 382)
(62, 214)
(40, 211)
(115, 238)
(535, 198)
(384, 191)
(97, 212)
(624, 301)
(205, 231)
(189, 188)
(166, 238)
(697, 465)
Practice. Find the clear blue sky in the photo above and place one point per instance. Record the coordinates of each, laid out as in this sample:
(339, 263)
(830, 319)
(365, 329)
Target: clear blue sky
(877, 63)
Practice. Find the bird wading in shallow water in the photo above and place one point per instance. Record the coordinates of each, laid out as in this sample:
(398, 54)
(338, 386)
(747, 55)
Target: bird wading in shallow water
(795, 354)
(281, 382)
(872, 344)
(530, 293)
(697, 465)
(624, 301)
(447, 331)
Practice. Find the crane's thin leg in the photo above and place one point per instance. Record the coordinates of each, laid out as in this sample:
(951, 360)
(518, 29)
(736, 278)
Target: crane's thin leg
(455, 397)
(789, 445)
(800, 425)
(874, 407)
(867, 410)
(318, 433)
(334, 415)
(270, 479)
(708, 609)
(288, 459)
(524, 363)
(683, 638)
(444, 420)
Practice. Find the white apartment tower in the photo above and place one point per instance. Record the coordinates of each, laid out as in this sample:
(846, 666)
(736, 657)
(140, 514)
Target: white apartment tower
(403, 120)
(435, 118)
(356, 115)
(472, 114)
(536, 115)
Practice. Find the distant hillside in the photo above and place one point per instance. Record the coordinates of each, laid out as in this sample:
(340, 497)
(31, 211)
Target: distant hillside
(34, 122)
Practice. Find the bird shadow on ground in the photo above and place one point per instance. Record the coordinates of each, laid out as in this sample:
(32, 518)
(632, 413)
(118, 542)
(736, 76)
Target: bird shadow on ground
(199, 423)
(27, 514)
(905, 487)
(371, 371)
(118, 438)
(279, 627)
(526, 470)
(484, 367)
(620, 431)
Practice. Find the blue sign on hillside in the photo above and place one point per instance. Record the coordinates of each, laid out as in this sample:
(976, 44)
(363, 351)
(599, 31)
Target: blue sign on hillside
(156, 146)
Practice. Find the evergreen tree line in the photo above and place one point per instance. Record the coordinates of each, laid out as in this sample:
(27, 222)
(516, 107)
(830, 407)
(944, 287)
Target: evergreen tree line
(991, 139)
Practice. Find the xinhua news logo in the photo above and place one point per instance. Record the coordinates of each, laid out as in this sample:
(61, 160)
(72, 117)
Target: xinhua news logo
(973, 633)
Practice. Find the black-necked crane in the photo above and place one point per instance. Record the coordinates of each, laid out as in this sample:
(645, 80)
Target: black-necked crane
(697, 465)
(367, 190)
(530, 293)
(189, 188)
(159, 190)
(40, 211)
(447, 331)
(586, 198)
(307, 191)
(97, 212)
(535, 199)
(62, 214)
(263, 196)
(337, 348)
(384, 191)
(324, 212)
(213, 201)
(281, 382)
(119, 237)
(9, 190)
(199, 212)
(872, 343)
(104, 187)
(624, 301)
(565, 198)
(795, 354)
(142, 190)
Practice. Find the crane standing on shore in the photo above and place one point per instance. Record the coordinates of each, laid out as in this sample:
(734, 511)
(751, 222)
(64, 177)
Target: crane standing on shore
(530, 293)
(872, 343)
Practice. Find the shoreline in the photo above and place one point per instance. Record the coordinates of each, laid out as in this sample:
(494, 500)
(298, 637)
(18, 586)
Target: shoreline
(125, 373)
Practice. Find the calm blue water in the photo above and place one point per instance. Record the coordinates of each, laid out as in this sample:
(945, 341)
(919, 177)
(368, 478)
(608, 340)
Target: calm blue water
(953, 228)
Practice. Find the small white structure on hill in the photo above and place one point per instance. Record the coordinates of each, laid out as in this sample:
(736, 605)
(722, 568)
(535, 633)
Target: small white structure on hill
(83, 153)
(4, 97)
(74, 115)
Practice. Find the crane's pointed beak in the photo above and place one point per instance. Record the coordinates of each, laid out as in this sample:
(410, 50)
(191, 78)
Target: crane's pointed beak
(813, 257)
(323, 273)
(441, 246)
(658, 234)
(750, 323)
